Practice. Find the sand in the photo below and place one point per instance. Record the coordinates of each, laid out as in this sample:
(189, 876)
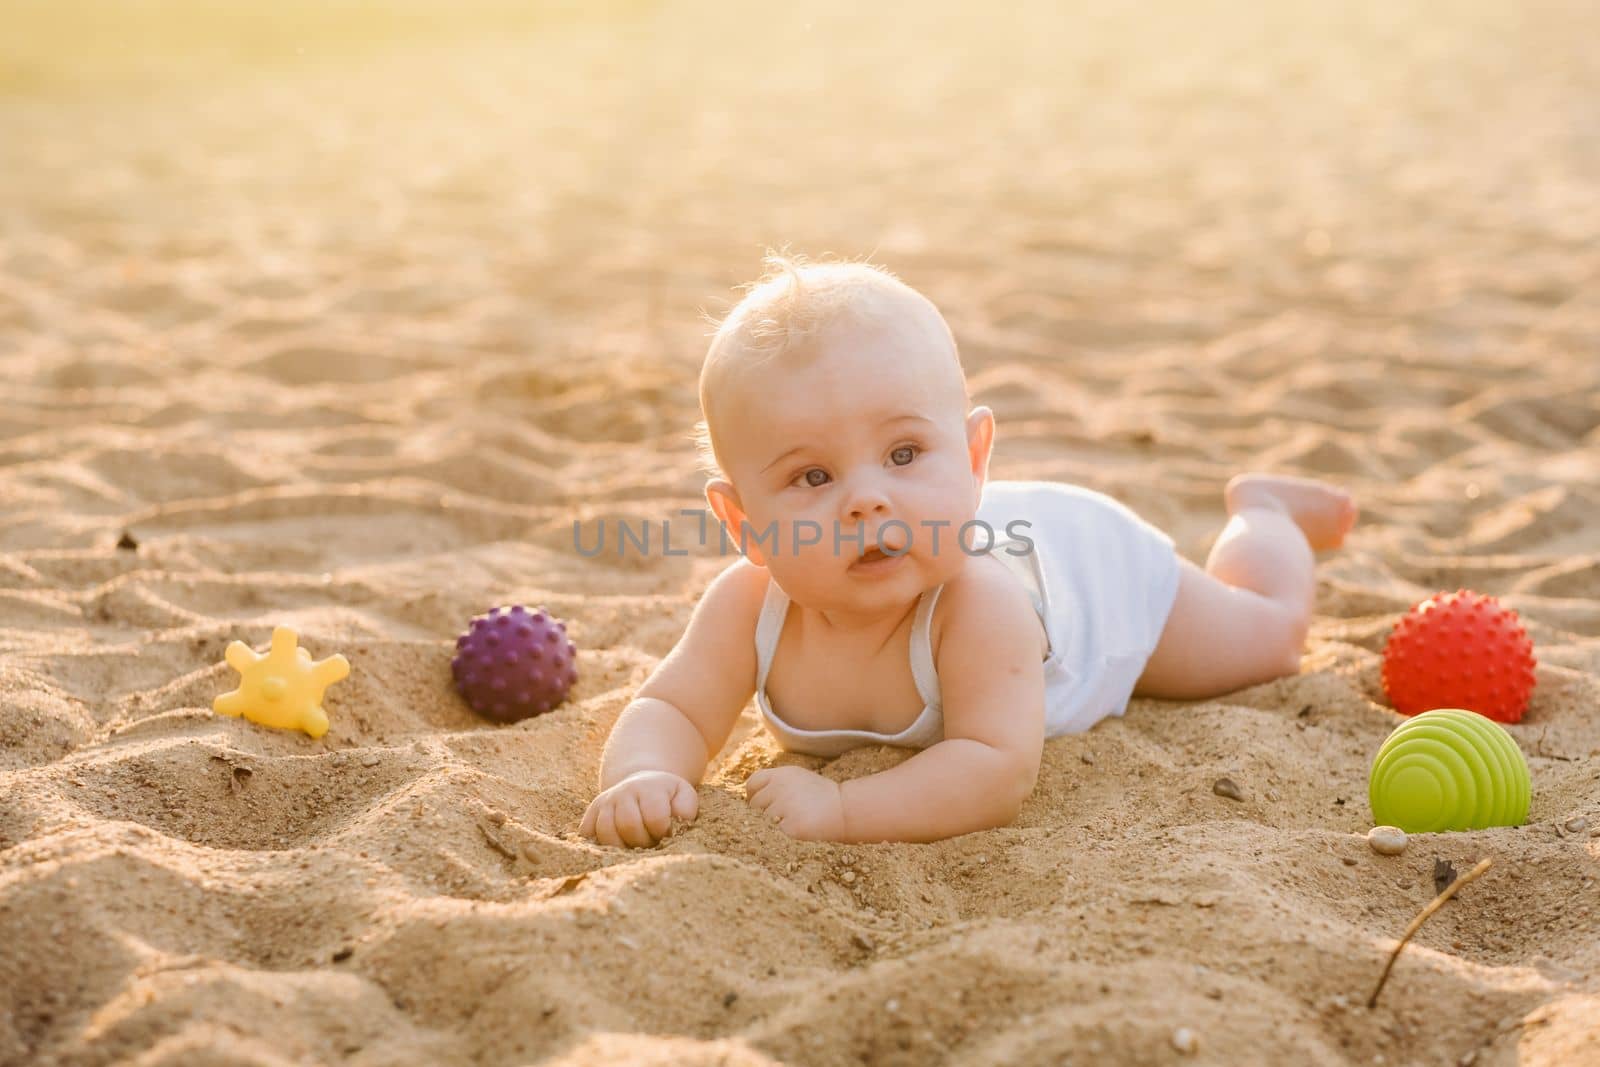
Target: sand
(344, 330)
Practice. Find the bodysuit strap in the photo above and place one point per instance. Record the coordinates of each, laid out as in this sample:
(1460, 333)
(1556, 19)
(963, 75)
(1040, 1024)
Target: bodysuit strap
(922, 667)
(774, 609)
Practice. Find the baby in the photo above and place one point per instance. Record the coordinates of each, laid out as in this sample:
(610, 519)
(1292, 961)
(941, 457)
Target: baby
(889, 593)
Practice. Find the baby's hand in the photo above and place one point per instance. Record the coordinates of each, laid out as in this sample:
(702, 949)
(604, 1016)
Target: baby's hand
(806, 805)
(637, 811)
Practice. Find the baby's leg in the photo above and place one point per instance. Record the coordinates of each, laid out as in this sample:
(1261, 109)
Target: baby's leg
(1243, 619)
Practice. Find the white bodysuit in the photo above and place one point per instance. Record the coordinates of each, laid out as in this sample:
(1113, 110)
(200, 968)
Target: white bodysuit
(1102, 579)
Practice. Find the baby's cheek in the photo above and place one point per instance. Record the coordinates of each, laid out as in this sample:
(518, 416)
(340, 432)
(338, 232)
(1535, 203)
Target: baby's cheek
(936, 536)
(802, 536)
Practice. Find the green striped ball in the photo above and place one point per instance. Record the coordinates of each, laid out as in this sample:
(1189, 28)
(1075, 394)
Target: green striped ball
(1449, 769)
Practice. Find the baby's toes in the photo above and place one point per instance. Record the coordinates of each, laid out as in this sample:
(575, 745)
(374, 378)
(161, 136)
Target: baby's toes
(1343, 521)
(1351, 513)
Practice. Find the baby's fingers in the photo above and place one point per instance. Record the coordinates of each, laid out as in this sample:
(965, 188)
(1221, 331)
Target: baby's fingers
(754, 784)
(758, 800)
(630, 822)
(655, 810)
(685, 802)
(605, 827)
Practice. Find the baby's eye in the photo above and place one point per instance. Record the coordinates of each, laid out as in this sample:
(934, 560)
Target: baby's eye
(903, 455)
(811, 482)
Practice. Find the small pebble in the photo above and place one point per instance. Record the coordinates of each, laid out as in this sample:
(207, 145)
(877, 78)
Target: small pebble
(1349, 861)
(1088, 757)
(849, 877)
(370, 759)
(1272, 795)
(862, 941)
(1577, 824)
(1184, 1041)
(1387, 840)
(1227, 787)
(891, 1005)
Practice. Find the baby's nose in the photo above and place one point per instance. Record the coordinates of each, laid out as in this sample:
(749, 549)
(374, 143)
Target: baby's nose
(867, 501)
(870, 521)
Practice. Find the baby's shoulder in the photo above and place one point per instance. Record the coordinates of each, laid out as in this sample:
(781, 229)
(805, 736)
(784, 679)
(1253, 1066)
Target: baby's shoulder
(984, 581)
(735, 596)
(985, 599)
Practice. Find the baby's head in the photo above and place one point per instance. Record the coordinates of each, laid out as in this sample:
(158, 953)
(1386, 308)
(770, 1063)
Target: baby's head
(833, 400)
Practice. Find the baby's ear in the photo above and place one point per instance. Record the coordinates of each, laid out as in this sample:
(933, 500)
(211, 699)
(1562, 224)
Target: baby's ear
(724, 501)
(980, 442)
(721, 496)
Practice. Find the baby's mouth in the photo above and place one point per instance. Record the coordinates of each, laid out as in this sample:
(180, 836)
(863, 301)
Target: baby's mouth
(876, 557)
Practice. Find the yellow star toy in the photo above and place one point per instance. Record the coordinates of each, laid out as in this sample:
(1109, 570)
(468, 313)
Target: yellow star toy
(282, 689)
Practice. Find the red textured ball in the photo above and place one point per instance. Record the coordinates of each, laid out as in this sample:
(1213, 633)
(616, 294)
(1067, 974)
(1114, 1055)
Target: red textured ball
(1460, 650)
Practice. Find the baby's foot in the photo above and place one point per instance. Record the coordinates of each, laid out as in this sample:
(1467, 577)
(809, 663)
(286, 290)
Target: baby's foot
(1323, 512)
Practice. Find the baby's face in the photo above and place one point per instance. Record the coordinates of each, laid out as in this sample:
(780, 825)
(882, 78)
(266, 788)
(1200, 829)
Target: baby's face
(867, 431)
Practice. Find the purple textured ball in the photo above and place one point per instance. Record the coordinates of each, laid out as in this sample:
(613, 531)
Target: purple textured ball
(511, 663)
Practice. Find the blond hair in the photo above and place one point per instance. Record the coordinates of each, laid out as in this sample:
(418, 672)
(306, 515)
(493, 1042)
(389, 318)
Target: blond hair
(793, 302)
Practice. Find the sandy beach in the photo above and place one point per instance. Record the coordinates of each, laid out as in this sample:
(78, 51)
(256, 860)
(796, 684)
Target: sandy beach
(340, 321)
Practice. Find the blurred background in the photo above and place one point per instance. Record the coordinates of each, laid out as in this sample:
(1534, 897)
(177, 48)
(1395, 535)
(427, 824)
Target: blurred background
(479, 241)
(338, 315)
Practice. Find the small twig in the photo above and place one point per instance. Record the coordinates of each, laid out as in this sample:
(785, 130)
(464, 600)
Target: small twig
(1416, 924)
(496, 843)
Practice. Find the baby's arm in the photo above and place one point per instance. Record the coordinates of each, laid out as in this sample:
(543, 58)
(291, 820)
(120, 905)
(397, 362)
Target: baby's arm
(992, 690)
(684, 712)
